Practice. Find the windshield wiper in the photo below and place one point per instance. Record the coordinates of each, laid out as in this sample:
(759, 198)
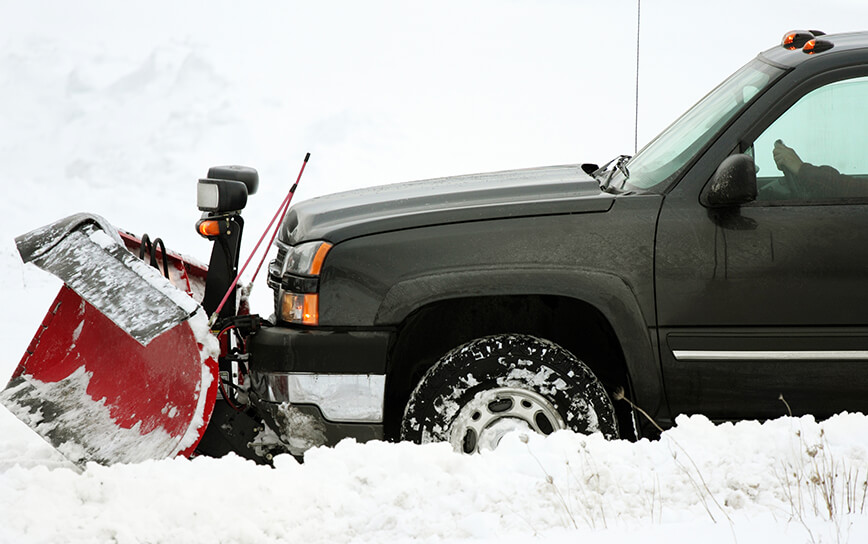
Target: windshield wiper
(620, 165)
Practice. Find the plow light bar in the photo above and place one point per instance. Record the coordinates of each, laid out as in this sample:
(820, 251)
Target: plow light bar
(221, 195)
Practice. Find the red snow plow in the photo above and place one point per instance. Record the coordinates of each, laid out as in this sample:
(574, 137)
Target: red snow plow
(124, 366)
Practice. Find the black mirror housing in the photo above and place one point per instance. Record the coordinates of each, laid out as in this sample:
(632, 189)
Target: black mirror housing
(733, 184)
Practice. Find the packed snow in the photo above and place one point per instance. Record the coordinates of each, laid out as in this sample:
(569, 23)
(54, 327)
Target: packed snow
(117, 109)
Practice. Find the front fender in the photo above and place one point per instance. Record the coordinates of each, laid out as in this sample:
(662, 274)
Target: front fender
(608, 293)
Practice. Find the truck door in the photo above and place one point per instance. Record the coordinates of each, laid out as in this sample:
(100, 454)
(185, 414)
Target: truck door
(770, 298)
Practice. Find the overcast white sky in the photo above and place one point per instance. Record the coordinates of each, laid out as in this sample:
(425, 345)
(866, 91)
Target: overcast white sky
(128, 97)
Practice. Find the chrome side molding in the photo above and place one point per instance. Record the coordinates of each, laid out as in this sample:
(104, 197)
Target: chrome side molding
(768, 355)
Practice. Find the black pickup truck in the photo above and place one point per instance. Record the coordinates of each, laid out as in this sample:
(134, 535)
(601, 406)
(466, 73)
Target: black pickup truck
(720, 269)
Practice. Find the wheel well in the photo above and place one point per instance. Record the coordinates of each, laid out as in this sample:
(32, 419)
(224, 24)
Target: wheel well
(428, 333)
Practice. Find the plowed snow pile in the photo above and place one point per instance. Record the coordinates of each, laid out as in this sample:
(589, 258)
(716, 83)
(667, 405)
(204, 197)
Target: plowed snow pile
(117, 109)
(790, 480)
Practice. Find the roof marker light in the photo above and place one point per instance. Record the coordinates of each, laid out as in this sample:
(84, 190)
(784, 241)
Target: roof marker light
(796, 39)
(817, 46)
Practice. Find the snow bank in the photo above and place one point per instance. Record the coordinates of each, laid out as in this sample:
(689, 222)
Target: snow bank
(748, 482)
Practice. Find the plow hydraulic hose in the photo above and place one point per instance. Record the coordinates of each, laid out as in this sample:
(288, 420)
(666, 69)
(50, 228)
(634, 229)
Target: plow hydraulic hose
(281, 212)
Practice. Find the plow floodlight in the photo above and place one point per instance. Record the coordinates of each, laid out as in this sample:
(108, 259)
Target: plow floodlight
(221, 195)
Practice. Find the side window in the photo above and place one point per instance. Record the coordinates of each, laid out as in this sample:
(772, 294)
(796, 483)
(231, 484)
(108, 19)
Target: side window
(818, 149)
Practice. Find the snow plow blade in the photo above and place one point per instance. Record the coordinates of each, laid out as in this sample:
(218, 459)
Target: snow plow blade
(87, 253)
(123, 367)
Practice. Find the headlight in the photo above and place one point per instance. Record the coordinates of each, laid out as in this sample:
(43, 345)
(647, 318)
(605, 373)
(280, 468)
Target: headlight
(306, 259)
(298, 284)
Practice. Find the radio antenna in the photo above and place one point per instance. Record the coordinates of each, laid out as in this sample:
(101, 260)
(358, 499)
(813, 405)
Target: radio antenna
(636, 120)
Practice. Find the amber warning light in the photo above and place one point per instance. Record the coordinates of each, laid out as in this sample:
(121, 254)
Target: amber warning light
(806, 40)
(209, 227)
(816, 46)
(796, 39)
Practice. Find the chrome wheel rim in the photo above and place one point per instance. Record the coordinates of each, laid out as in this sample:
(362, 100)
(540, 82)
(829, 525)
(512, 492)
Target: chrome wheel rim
(491, 414)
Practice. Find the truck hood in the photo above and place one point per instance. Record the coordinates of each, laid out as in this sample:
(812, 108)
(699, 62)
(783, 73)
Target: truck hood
(513, 193)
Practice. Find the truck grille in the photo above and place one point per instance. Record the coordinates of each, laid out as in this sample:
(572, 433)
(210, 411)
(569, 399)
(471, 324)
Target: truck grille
(274, 272)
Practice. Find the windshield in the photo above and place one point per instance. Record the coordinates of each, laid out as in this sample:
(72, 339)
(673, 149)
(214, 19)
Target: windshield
(669, 152)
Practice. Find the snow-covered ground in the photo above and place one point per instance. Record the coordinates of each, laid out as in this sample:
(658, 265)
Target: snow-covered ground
(746, 483)
(117, 109)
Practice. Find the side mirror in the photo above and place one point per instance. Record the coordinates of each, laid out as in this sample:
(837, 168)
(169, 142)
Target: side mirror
(733, 184)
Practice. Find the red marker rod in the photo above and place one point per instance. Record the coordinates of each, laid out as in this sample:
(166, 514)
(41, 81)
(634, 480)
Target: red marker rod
(281, 212)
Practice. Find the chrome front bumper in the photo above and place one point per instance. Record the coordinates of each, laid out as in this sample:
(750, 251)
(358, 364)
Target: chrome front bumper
(342, 398)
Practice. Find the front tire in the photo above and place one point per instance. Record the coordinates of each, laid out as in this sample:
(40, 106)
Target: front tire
(488, 387)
